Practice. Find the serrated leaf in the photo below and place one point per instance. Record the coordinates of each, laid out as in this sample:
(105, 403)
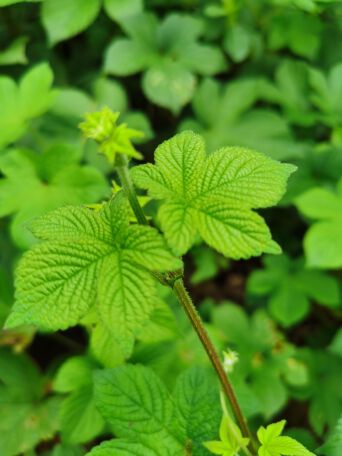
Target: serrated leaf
(214, 195)
(198, 407)
(138, 406)
(273, 444)
(90, 259)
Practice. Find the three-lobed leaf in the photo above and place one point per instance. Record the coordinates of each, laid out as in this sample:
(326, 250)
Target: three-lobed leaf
(214, 195)
(274, 444)
(90, 260)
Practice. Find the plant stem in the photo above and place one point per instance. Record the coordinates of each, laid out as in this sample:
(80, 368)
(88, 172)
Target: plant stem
(184, 298)
(121, 166)
(175, 282)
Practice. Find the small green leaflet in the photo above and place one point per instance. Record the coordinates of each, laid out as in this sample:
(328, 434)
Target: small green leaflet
(89, 259)
(214, 195)
(231, 439)
(273, 444)
(323, 240)
(150, 423)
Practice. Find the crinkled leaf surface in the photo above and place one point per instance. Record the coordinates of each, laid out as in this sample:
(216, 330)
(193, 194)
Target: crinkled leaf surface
(213, 195)
(36, 183)
(90, 260)
(136, 403)
(139, 408)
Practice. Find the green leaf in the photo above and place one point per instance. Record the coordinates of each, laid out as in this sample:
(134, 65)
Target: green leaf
(63, 19)
(90, 259)
(122, 448)
(237, 42)
(216, 192)
(138, 407)
(34, 91)
(74, 373)
(169, 85)
(273, 444)
(15, 53)
(327, 96)
(230, 119)
(290, 288)
(118, 10)
(80, 420)
(323, 240)
(231, 439)
(198, 407)
(333, 445)
(169, 53)
(27, 416)
(20, 103)
(36, 183)
(297, 31)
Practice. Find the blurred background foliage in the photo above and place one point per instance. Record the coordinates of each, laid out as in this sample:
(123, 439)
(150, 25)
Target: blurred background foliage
(264, 74)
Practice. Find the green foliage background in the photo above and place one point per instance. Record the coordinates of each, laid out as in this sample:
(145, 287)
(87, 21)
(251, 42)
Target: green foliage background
(262, 74)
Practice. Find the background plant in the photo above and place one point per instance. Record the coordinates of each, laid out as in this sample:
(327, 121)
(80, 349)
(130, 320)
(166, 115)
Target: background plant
(267, 76)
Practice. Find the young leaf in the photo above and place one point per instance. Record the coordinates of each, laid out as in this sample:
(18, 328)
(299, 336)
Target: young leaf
(231, 440)
(273, 444)
(213, 196)
(90, 259)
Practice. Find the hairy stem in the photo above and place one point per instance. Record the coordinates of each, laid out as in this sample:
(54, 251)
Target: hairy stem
(121, 166)
(175, 281)
(196, 321)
